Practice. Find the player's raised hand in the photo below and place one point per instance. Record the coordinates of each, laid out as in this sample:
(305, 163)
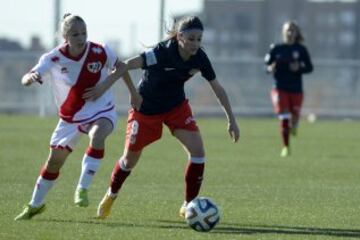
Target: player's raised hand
(234, 131)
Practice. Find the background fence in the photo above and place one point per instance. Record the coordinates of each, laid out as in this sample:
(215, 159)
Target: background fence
(332, 90)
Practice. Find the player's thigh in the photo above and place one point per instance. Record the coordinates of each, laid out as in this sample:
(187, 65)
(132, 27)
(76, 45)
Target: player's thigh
(191, 141)
(65, 136)
(296, 100)
(142, 130)
(280, 101)
(101, 128)
(181, 117)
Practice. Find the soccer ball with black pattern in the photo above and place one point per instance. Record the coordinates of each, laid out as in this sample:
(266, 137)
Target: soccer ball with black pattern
(202, 214)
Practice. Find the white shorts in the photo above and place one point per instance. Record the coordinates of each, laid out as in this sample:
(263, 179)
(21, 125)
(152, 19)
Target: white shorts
(67, 135)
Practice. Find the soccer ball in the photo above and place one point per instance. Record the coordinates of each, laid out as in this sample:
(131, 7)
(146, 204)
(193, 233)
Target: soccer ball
(202, 214)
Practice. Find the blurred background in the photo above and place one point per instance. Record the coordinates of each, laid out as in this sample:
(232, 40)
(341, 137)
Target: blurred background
(237, 36)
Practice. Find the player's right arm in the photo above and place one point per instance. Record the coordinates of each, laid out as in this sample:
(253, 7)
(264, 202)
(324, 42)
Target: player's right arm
(147, 60)
(40, 70)
(30, 78)
(271, 68)
(270, 60)
(135, 98)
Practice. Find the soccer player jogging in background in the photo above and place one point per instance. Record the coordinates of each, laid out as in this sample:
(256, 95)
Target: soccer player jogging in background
(287, 62)
(73, 68)
(167, 67)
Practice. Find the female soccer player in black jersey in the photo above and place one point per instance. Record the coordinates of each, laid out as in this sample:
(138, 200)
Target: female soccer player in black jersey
(167, 67)
(287, 62)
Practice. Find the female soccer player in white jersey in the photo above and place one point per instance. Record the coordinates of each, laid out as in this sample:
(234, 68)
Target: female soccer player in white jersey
(73, 68)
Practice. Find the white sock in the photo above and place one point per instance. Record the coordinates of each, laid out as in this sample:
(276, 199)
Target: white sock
(110, 194)
(89, 167)
(41, 189)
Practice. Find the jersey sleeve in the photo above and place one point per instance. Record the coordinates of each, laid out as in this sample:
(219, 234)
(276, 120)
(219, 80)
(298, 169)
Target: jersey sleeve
(152, 57)
(43, 66)
(207, 70)
(111, 57)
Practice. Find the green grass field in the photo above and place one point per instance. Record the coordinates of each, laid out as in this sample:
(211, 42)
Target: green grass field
(314, 194)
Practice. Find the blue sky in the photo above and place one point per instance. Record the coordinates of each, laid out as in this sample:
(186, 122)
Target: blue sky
(132, 23)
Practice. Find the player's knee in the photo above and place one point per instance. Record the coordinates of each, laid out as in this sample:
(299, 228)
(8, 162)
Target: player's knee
(126, 164)
(98, 136)
(128, 160)
(284, 115)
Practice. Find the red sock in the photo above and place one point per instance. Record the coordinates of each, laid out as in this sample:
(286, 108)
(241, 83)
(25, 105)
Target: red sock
(118, 178)
(48, 175)
(193, 179)
(285, 130)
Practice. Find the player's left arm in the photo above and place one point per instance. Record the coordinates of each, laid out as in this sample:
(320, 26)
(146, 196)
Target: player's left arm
(223, 99)
(135, 62)
(306, 65)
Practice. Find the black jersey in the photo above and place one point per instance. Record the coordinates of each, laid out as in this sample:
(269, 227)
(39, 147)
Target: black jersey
(284, 54)
(164, 76)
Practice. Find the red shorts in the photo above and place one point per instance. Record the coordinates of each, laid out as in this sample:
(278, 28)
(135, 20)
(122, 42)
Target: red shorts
(286, 102)
(145, 129)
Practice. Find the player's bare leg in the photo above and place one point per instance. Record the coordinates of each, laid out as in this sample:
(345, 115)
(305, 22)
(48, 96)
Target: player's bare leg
(44, 183)
(92, 159)
(121, 171)
(193, 145)
(294, 124)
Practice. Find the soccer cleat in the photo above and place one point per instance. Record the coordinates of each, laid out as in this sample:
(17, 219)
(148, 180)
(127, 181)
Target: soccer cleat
(104, 207)
(81, 197)
(182, 210)
(30, 212)
(285, 152)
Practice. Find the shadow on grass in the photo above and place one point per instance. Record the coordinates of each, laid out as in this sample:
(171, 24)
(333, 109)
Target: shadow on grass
(246, 229)
(225, 228)
(233, 228)
(107, 223)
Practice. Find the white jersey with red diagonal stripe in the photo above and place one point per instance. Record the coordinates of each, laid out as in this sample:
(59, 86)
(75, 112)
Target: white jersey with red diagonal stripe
(70, 77)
